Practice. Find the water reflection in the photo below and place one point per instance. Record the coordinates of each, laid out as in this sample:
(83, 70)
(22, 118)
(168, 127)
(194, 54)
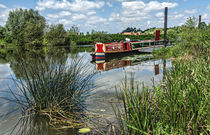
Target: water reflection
(145, 69)
(111, 73)
(34, 125)
(120, 63)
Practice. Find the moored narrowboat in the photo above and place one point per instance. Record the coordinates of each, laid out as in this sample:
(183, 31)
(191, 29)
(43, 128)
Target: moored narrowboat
(104, 49)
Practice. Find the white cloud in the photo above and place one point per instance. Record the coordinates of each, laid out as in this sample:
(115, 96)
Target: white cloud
(77, 17)
(206, 17)
(65, 22)
(59, 15)
(141, 9)
(3, 14)
(134, 5)
(2, 6)
(155, 5)
(176, 16)
(76, 5)
(115, 17)
(193, 11)
(91, 13)
(159, 14)
(109, 4)
(96, 20)
(208, 7)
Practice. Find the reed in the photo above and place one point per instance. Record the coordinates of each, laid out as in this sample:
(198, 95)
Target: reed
(179, 106)
(55, 89)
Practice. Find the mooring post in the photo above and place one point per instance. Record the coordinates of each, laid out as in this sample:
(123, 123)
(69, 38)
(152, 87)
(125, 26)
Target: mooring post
(199, 22)
(165, 26)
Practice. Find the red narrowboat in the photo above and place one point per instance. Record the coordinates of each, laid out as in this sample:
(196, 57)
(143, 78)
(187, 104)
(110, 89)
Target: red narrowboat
(104, 49)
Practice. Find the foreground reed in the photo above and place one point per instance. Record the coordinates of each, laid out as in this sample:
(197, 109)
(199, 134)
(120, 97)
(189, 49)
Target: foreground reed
(55, 89)
(179, 106)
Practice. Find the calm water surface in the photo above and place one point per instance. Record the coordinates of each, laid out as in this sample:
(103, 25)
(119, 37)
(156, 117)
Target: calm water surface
(110, 74)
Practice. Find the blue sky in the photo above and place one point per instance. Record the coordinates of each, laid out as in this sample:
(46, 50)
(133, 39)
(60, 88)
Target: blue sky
(111, 15)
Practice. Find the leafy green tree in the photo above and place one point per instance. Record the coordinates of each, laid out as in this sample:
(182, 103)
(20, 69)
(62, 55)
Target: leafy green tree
(129, 29)
(16, 23)
(203, 26)
(74, 30)
(191, 22)
(33, 33)
(2, 32)
(56, 35)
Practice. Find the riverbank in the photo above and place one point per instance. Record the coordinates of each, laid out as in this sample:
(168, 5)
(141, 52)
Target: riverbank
(180, 105)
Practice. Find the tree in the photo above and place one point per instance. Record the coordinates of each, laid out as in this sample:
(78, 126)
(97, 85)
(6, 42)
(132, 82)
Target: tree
(74, 30)
(203, 26)
(33, 33)
(191, 22)
(131, 29)
(2, 32)
(16, 24)
(56, 35)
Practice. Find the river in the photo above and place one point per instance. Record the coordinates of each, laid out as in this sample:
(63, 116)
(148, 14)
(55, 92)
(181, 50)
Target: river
(110, 75)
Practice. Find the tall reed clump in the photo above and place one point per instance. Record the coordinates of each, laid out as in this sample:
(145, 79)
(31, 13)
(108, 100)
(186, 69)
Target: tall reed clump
(180, 106)
(56, 89)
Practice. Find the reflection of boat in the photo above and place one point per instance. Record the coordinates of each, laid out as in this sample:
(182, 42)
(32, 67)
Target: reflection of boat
(110, 64)
(105, 49)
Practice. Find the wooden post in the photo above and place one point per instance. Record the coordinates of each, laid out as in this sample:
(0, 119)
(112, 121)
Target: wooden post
(165, 25)
(199, 23)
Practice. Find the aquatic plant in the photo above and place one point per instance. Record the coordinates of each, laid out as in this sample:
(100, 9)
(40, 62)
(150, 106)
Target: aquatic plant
(179, 106)
(56, 89)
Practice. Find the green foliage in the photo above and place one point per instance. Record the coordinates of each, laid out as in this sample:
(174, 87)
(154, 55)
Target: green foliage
(56, 36)
(189, 40)
(179, 106)
(53, 88)
(74, 30)
(17, 22)
(2, 32)
(203, 26)
(33, 33)
(191, 22)
(103, 37)
(131, 29)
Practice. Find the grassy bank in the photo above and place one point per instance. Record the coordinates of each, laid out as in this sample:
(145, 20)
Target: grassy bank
(181, 104)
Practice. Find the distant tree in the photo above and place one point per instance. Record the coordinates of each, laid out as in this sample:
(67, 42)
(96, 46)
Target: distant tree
(56, 35)
(74, 30)
(16, 24)
(2, 32)
(129, 29)
(191, 22)
(203, 26)
(139, 30)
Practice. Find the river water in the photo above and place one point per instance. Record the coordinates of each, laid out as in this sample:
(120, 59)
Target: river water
(110, 75)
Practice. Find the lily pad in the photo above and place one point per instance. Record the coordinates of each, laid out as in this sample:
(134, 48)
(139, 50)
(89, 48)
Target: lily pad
(84, 130)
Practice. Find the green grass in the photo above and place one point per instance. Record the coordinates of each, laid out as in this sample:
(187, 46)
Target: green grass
(181, 105)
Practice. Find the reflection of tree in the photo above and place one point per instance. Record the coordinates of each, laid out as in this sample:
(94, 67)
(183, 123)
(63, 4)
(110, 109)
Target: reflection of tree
(36, 125)
(33, 57)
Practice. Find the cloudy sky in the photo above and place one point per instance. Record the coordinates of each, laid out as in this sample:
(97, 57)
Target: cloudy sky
(110, 15)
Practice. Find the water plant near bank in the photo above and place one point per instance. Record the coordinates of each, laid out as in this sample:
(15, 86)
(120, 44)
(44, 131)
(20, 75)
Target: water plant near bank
(179, 106)
(56, 89)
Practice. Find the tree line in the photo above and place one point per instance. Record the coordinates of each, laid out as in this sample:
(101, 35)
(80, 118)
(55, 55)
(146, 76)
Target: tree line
(29, 28)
